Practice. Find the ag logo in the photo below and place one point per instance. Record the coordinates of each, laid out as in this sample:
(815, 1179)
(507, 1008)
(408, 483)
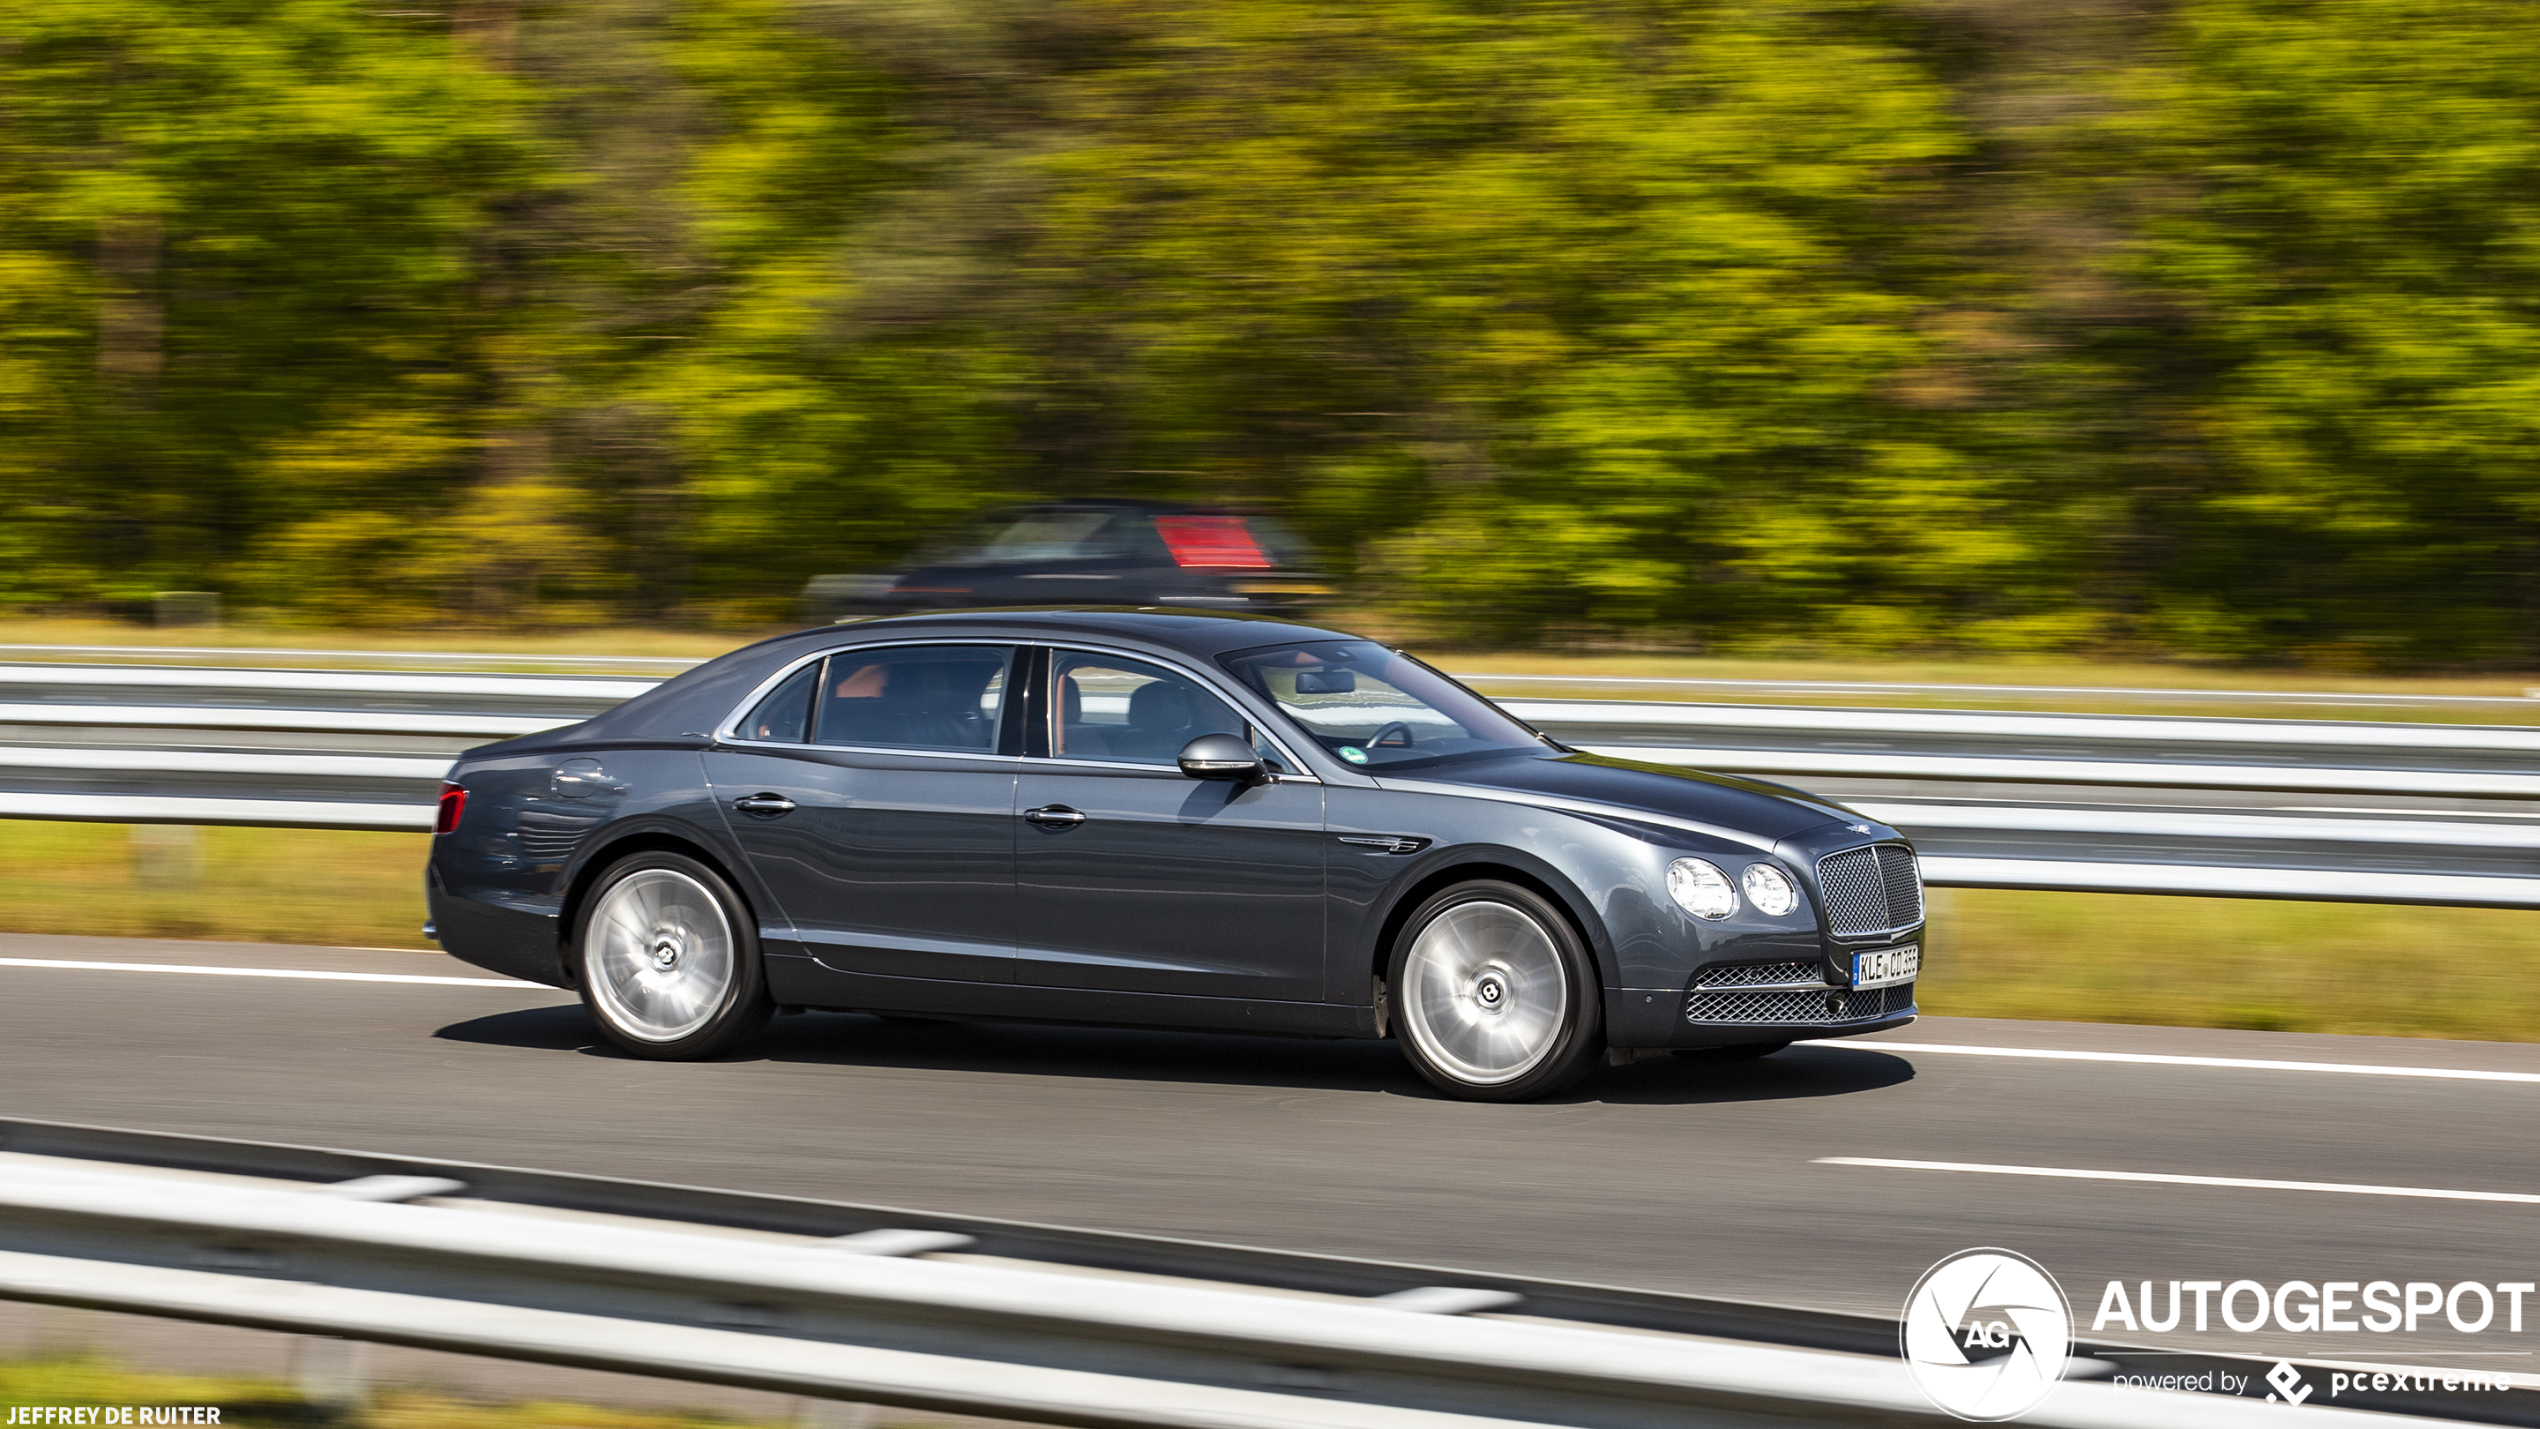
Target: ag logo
(1986, 1334)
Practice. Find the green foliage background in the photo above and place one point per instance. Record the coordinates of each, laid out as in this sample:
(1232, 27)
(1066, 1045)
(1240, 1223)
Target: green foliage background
(2209, 328)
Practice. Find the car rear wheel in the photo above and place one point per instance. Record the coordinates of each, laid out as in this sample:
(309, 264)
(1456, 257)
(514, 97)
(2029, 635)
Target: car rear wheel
(1493, 995)
(669, 960)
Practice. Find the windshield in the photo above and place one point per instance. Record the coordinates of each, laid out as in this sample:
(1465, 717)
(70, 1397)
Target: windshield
(1375, 707)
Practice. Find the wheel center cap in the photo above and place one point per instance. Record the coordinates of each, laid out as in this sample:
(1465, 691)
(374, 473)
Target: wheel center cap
(1490, 992)
(666, 953)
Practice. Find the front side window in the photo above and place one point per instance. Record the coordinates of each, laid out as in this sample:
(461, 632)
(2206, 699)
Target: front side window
(938, 697)
(1378, 708)
(1130, 712)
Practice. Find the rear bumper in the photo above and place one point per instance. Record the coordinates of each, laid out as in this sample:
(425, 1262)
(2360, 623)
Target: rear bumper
(502, 940)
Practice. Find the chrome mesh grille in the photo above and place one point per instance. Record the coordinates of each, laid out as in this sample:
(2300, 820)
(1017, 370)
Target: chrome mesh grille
(1797, 1006)
(1904, 880)
(1871, 890)
(1752, 974)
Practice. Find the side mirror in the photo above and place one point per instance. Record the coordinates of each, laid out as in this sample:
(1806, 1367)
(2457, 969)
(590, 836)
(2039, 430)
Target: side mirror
(1222, 756)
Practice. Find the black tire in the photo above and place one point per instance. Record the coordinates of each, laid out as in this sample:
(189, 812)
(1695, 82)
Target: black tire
(666, 955)
(1742, 1052)
(1493, 995)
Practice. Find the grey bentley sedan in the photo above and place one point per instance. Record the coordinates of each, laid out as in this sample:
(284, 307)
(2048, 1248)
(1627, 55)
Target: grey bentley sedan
(1161, 818)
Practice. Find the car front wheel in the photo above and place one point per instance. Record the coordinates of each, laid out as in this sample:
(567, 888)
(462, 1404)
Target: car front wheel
(669, 959)
(1493, 994)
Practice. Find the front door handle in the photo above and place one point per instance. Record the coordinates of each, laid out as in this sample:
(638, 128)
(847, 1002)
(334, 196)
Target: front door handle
(1054, 816)
(764, 806)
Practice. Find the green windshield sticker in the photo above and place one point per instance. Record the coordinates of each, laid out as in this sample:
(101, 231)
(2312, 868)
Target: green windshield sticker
(1353, 754)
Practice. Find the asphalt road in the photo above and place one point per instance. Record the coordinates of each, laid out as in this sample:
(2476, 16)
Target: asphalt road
(1663, 1174)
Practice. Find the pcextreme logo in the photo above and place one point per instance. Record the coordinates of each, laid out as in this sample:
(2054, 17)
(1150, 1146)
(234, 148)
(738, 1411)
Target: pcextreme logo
(1986, 1334)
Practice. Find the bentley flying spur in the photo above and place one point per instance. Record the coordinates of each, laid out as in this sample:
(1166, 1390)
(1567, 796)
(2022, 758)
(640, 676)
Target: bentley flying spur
(1161, 818)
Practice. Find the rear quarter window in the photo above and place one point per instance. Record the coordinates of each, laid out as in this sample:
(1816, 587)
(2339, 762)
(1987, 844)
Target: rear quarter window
(784, 717)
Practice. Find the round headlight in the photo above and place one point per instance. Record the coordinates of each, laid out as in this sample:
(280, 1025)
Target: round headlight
(1700, 889)
(1768, 889)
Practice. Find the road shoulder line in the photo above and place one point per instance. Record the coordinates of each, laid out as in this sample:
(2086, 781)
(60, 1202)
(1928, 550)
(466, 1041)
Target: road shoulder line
(306, 973)
(2164, 1059)
(2246, 1183)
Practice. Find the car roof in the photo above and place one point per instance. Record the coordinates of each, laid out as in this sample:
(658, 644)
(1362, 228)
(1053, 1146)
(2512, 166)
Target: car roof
(698, 700)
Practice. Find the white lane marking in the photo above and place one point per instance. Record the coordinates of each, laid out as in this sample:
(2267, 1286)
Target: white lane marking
(2247, 1064)
(311, 973)
(2246, 1183)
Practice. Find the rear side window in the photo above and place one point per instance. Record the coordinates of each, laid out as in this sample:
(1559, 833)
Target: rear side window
(938, 697)
(784, 717)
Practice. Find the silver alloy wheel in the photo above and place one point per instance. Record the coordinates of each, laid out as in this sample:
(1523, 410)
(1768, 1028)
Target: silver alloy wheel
(1484, 995)
(658, 955)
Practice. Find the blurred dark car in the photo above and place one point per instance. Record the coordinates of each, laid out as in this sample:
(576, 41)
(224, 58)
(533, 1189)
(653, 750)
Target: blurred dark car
(1097, 552)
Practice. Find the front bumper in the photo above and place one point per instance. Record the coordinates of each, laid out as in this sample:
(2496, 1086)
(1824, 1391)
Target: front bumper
(1717, 1013)
(1716, 1017)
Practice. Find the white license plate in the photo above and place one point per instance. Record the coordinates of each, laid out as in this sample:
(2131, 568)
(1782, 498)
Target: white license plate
(1887, 966)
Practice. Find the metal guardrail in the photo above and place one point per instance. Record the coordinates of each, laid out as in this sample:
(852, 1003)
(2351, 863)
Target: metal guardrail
(492, 659)
(2148, 694)
(481, 659)
(327, 682)
(1024, 1322)
(1996, 799)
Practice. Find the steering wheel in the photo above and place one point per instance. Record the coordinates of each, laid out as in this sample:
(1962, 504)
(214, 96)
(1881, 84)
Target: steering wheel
(1394, 727)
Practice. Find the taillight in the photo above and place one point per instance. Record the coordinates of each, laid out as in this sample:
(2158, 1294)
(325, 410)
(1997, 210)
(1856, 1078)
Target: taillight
(453, 804)
(1211, 541)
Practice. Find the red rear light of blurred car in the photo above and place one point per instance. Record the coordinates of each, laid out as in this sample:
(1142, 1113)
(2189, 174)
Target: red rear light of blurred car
(1210, 541)
(453, 804)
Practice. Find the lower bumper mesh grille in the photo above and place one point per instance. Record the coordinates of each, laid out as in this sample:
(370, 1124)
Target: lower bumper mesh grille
(1802, 1007)
(1753, 974)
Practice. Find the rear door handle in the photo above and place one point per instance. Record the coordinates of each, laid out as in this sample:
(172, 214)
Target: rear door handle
(764, 806)
(1054, 816)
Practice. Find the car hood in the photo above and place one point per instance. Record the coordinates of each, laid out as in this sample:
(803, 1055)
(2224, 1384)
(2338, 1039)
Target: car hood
(1749, 810)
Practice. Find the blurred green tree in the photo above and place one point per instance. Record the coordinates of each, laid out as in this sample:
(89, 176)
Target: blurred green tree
(1856, 324)
(1542, 313)
(2334, 219)
(242, 248)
